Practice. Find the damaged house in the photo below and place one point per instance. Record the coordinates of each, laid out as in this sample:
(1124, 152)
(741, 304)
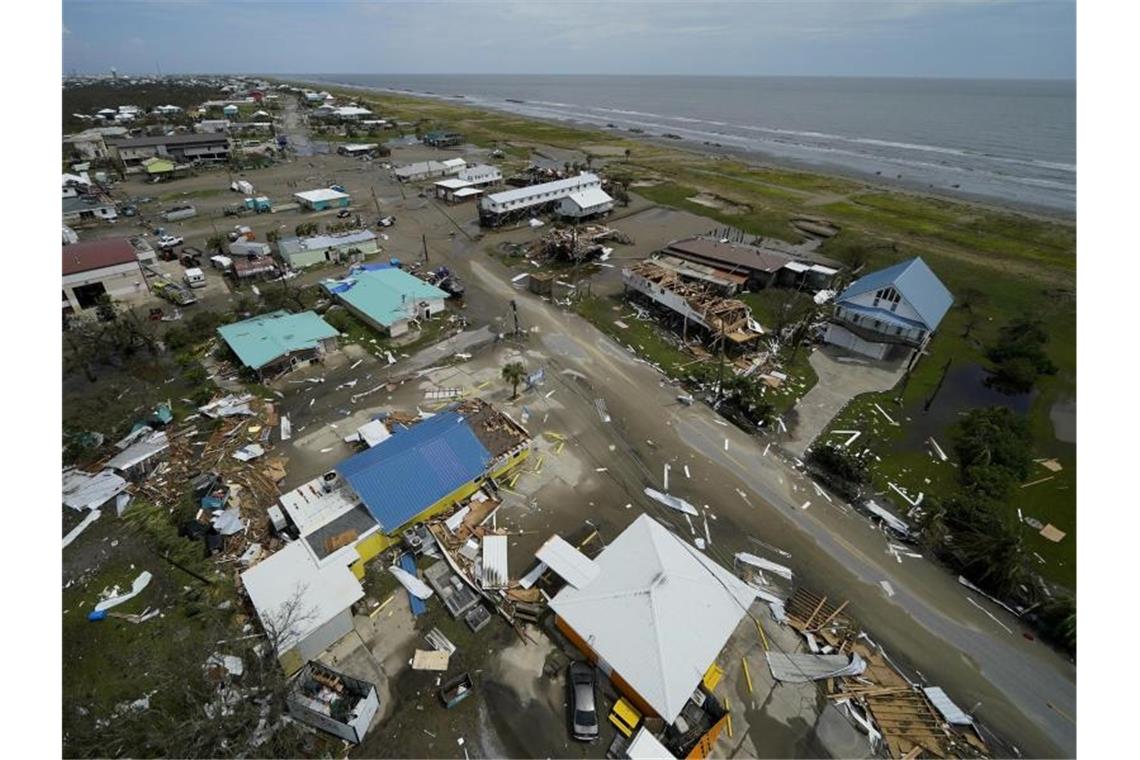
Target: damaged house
(515, 204)
(693, 302)
(341, 705)
(387, 298)
(761, 266)
(278, 342)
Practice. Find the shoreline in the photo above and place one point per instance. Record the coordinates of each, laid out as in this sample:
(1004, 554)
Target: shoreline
(754, 158)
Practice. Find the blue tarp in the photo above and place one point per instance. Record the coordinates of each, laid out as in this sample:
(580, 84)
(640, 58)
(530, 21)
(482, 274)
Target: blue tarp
(415, 468)
(419, 606)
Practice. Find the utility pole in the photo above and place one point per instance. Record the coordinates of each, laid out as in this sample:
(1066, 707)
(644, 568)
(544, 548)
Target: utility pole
(424, 239)
(934, 393)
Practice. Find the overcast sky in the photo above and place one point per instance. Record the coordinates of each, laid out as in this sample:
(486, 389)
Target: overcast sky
(968, 38)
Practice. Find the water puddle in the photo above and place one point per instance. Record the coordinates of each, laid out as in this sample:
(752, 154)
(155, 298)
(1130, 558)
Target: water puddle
(964, 389)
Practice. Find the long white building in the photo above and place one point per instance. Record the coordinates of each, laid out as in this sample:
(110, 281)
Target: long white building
(496, 208)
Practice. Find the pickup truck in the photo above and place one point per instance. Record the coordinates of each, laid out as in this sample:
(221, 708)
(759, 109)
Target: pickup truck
(170, 241)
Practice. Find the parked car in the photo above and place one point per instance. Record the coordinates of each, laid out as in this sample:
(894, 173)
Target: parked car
(343, 214)
(387, 221)
(170, 241)
(583, 702)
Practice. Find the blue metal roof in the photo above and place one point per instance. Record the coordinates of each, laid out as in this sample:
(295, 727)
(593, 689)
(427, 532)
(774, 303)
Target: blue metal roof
(915, 282)
(415, 468)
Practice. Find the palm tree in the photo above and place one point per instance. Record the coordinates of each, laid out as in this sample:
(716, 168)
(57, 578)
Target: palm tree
(514, 373)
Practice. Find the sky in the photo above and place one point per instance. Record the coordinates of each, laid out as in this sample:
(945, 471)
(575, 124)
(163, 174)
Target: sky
(915, 38)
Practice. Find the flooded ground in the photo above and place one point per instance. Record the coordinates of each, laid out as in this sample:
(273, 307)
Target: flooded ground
(1063, 415)
(964, 388)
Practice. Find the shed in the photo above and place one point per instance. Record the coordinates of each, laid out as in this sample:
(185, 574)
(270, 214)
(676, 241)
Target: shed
(655, 618)
(323, 198)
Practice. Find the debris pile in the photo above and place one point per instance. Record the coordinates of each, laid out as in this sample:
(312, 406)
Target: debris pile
(576, 244)
(888, 706)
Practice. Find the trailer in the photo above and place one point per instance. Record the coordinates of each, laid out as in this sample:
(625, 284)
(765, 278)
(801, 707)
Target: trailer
(177, 213)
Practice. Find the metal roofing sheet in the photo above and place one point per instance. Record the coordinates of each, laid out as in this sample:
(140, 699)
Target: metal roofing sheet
(495, 571)
(915, 282)
(950, 711)
(659, 613)
(261, 340)
(416, 468)
(590, 197)
(152, 445)
(804, 667)
(82, 490)
(320, 242)
(97, 254)
(572, 565)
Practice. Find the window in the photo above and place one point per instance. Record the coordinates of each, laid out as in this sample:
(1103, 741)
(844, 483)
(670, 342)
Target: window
(889, 297)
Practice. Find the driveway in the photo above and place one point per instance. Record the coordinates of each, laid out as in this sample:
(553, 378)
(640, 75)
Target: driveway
(842, 377)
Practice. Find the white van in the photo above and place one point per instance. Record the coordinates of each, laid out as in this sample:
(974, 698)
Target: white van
(195, 278)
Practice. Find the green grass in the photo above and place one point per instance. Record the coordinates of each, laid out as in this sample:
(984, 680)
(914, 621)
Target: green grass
(648, 340)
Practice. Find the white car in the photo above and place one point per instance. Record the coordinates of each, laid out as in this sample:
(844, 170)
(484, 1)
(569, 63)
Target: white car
(169, 241)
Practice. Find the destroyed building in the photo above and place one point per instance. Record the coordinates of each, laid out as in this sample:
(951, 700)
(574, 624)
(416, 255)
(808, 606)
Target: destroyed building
(693, 304)
(341, 705)
(761, 266)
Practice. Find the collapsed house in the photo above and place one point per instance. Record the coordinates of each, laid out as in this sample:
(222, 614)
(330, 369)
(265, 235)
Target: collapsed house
(341, 705)
(762, 265)
(909, 720)
(722, 320)
(576, 244)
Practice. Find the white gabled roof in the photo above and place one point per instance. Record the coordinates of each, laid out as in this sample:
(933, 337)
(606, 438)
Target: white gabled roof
(589, 197)
(292, 574)
(568, 184)
(453, 184)
(659, 613)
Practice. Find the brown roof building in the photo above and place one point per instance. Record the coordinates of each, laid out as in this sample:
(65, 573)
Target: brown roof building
(98, 269)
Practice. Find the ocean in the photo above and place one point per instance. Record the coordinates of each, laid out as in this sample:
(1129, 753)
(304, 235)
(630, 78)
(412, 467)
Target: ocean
(1003, 141)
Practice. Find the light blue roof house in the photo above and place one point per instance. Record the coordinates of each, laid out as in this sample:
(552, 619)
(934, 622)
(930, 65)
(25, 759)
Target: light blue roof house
(387, 298)
(279, 341)
(891, 312)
